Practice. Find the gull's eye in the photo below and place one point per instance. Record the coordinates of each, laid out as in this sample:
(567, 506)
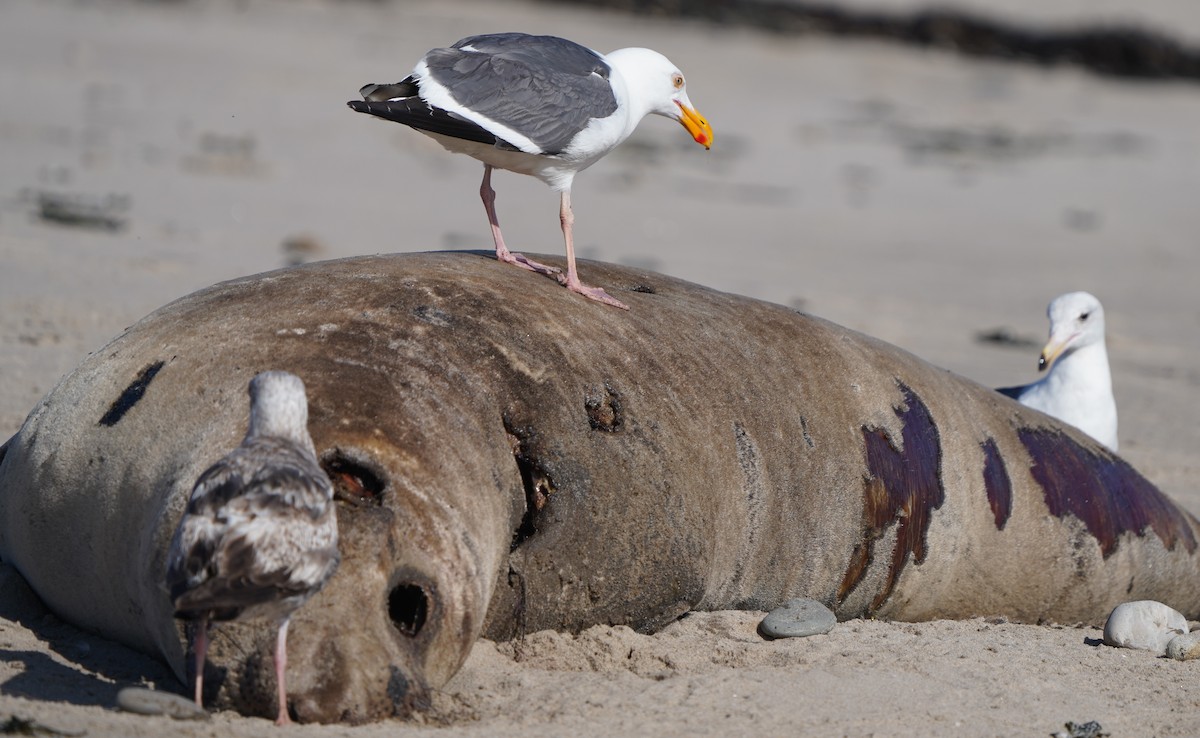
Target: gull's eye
(677, 80)
(1084, 316)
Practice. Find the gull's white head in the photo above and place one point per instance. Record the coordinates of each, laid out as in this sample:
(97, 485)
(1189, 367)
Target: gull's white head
(278, 406)
(1076, 321)
(657, 85)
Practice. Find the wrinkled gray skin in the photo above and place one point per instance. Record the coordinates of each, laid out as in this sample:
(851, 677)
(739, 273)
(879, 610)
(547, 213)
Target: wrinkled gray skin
(541, 461)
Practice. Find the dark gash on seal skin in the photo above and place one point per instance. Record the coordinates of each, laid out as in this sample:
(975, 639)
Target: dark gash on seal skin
(902, 488)
(996, 483)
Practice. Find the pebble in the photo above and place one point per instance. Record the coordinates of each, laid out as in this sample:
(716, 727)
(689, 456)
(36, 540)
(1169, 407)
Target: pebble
(1090, 729)
(1185, 647)
(796, 619)
(1145, 625)
(153, 702)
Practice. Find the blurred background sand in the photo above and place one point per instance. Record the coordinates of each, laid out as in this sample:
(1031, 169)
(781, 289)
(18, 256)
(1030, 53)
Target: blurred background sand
(913, 193)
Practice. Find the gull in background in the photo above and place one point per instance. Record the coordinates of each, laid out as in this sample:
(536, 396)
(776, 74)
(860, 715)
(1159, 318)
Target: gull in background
(1078, 387)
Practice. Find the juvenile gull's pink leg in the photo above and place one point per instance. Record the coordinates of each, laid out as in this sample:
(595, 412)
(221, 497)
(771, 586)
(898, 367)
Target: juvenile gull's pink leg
(200, 648)
(280, 670)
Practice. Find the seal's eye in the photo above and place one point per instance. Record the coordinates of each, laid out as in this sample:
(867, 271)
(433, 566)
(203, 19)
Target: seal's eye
(677, 80)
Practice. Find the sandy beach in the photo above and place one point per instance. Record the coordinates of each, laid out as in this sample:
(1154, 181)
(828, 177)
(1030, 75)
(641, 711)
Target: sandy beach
(912, 194)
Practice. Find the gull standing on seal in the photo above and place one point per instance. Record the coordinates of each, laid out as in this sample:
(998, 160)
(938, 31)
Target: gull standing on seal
(537, 105)
(259, 536)
(1078, 389)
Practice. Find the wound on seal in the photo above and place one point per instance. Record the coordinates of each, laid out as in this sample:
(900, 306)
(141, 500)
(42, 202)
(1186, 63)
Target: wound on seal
(902, 488)
(131, 395)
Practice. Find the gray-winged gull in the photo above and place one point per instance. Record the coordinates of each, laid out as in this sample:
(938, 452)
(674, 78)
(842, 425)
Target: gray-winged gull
(1078, 388)
(537, 105)
(259, 535)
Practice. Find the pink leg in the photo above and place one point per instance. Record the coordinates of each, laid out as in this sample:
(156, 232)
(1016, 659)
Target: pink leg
(280, 670)
(200, 648)
(502, 253)
(572, 279)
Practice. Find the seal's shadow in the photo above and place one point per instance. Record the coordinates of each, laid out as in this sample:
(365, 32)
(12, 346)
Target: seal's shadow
(83, 669)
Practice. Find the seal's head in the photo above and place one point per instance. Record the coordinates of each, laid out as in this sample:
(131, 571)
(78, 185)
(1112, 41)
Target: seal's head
(421, 548)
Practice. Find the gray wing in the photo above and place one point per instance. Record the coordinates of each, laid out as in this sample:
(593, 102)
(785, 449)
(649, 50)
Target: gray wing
(545, 87)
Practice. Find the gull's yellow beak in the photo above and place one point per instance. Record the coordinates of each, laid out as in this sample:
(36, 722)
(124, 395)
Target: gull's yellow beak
(1053, 349)
(696, 125)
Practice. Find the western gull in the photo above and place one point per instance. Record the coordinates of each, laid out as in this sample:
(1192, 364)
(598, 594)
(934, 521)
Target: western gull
(259, 536)
(537, 105)
(1078, 388)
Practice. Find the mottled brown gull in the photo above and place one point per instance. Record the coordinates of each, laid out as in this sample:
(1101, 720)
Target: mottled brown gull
(259, 535)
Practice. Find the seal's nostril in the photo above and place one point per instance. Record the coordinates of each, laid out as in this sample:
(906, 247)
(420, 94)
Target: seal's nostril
(408, 607)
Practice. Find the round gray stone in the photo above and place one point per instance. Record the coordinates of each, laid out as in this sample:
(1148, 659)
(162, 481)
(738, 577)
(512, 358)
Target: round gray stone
(1185, 647)
(153, 702)
(796, 619)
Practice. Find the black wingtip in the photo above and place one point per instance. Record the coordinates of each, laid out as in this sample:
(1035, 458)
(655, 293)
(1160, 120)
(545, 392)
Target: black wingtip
(1013, 392)
(416, 113)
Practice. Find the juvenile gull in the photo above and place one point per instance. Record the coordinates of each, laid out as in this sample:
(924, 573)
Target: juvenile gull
(537, 105)
(1078, 388)
(259, 535)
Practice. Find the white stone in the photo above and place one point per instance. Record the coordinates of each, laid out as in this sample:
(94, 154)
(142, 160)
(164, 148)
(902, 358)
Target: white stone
(1145, 625)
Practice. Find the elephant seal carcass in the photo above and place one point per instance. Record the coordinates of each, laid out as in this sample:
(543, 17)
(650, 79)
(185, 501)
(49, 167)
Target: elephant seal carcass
(511, 458)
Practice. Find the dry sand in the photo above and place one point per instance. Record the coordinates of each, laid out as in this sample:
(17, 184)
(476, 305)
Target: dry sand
(910, 194)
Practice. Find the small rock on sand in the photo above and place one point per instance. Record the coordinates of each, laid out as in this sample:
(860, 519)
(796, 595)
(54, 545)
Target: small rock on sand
(1185, 647)
(153, 702)
(796, 619)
